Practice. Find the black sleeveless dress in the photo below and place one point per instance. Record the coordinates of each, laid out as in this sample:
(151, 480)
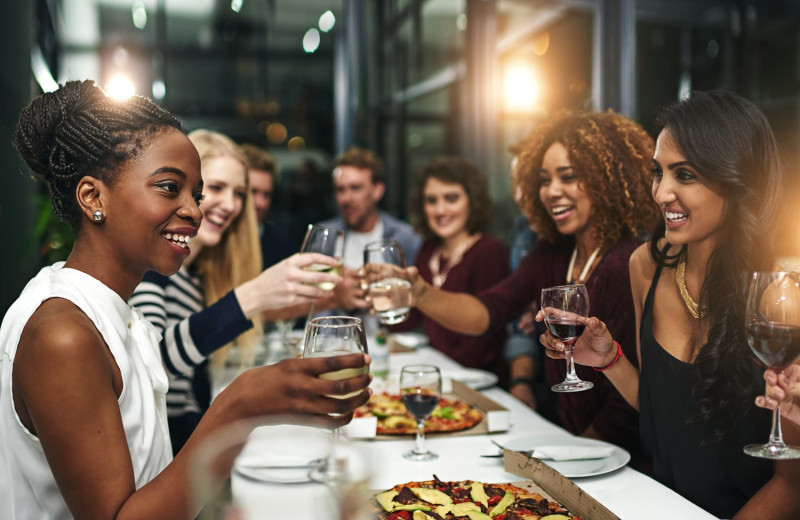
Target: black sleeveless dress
(718, 477)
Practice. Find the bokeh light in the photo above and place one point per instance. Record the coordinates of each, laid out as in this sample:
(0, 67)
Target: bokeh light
(327, 21)
(297, 144)
(120, 87)
(522, 88)
(311, 40)
(276, 133)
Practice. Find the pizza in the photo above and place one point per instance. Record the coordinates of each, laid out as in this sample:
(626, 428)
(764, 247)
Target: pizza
(450, 415)
(467, 499)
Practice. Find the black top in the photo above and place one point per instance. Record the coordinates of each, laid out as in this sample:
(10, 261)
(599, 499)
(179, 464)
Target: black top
(718, 477)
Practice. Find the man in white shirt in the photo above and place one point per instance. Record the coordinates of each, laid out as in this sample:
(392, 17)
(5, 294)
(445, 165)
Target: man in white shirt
(359, 183)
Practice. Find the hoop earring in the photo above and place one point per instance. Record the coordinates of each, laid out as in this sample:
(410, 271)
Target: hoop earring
(98, 215)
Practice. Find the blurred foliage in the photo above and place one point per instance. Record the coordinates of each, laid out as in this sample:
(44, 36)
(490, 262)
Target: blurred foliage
(54, 237)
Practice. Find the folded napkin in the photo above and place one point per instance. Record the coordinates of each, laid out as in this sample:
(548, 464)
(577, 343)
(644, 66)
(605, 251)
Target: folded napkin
(559, 453)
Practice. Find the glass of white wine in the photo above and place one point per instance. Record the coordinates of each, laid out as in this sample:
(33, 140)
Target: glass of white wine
(326, 241)
(334, 336)
(387, 283)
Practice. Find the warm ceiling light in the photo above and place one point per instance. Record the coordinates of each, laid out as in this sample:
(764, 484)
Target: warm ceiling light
(522, 88)
(311, 40)
(120, 87)
(326, 21)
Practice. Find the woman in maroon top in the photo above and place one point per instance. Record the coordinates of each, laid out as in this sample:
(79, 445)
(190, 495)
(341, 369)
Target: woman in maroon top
(584, 179)
(449, 206)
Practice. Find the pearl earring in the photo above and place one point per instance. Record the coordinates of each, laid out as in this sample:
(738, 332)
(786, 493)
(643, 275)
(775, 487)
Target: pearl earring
(98, 215)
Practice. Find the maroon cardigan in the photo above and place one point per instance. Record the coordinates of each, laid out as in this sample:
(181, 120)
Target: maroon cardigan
(482, 266)
(610, 300)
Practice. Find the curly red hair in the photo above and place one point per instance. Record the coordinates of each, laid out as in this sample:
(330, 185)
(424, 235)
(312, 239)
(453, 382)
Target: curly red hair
(613, 157)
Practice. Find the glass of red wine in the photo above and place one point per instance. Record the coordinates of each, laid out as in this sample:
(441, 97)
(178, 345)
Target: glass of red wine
(421, 388)
(772, 328)
(564, 306)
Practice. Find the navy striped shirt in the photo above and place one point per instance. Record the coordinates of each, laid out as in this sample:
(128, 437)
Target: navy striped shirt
(190, 331)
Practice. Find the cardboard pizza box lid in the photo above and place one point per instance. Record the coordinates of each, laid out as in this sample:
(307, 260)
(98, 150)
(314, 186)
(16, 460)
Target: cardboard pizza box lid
(555, 486)
(496, 418)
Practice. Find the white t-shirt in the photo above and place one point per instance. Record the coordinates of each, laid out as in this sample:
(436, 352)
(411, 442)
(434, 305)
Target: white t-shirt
(27, 487)
(354, 243)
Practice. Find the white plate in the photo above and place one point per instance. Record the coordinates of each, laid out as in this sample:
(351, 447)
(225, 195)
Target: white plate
(473, 377)
(574, 468)
(411, 339)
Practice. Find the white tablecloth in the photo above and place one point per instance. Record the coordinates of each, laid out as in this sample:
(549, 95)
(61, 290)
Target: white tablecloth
(626, 492)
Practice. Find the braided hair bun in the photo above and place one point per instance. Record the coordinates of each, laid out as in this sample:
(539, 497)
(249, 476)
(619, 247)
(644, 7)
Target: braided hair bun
(77, 130)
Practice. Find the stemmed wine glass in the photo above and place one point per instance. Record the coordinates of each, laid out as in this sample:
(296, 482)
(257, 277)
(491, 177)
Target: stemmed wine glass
(421, 389)
(334, 336)
(772, 327)
(387, 286)
(327, 241)
(563, 308)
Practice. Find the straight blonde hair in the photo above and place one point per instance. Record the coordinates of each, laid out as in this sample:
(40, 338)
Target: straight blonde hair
(237, 257)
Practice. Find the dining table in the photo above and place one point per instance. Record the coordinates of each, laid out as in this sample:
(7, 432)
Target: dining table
(627, 493)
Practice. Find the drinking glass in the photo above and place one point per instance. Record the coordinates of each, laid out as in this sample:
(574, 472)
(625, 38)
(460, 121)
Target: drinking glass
(421, 389)
(563, 308)
(387, 284)
(249, 471)
(334, 336)
(772, 327)
(327, 241)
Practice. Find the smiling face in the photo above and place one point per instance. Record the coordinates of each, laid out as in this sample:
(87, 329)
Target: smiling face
(224, 190)
(446, 206)
(152, 209)
(693, 208)
(563, 194)
(357, 197)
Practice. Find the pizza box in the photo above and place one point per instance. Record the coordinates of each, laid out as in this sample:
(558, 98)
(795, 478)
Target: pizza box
(554, 486)
(496, 418)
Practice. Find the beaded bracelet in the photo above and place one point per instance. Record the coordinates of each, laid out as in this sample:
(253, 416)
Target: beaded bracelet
(613, 362)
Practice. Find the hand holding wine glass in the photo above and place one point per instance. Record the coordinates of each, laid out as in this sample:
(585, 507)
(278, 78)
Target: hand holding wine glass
(772, 327)
(421, 389)
(565, 308)
(327, 337)
(387, 284)
(329, 242)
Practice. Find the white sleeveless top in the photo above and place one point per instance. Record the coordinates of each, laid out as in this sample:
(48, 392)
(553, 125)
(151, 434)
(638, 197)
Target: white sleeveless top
(27, 487)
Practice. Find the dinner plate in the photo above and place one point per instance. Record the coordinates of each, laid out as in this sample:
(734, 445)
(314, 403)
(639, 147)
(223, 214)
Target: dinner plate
(574, 468)
(411, 339)
(474, 378)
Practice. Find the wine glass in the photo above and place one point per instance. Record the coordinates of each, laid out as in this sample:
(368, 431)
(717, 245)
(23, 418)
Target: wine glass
(772, 327)
(256, 469)
(329, 242)
(563, 308)
(334, 336)
(387, 284)
(421, 389)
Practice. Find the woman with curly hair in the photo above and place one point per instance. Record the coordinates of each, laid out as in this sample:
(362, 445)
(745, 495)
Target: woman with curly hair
(584, 185)
(450, 208)
(718, 181)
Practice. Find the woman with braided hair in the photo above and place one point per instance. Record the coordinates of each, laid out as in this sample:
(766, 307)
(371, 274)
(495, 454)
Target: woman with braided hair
(83, 431)
(583, 178)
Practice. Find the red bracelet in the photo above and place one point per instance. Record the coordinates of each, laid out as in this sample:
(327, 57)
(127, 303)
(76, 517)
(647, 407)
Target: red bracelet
(613, 362)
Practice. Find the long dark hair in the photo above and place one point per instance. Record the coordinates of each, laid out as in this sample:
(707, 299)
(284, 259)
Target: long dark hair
(730, 143)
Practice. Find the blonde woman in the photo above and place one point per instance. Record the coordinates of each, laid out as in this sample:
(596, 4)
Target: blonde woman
(217, 298)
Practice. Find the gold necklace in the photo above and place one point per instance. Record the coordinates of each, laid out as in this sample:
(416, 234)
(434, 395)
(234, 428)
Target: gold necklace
(695, 310)
(586, 267)
(438, 278)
